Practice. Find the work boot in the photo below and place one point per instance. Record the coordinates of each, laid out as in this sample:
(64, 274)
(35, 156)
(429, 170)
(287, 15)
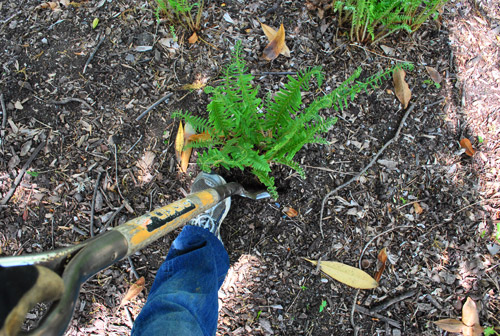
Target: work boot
(213, 217)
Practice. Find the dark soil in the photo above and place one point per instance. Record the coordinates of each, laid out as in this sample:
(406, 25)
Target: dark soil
(433, 207)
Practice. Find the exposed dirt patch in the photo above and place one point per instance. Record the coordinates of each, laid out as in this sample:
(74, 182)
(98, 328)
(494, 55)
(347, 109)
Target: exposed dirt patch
(438, 256)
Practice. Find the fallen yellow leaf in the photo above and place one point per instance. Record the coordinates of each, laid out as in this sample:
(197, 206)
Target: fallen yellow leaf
(346, 274)
(401, 87)
(179, 142)
(189, 131)
(277, 44)
(133, 291)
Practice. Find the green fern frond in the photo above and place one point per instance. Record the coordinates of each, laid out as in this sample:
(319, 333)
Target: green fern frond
(267, 181)
(200, 124)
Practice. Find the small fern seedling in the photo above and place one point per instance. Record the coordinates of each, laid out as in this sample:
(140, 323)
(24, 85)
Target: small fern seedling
(247, 131)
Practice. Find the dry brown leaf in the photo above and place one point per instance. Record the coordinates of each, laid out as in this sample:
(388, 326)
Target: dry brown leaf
(470, 316)
(401, 87)
(469, 326)
(346, 274)
(133, 291)
(418, 208)
(290, 212)
(465, 143)
(199, 137)
(434, 74)
(196, 85)
(275, 47)
(193, 39)
(450, 325)
(179, 142)
(382, 257)
(271, 34)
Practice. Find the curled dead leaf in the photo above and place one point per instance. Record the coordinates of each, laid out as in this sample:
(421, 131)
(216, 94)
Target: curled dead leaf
(193, 38)
(465, 143)
(382, 257)
(401, 87)
(418, 208)
(270, 34)
(276, 46)
(346, 274)
(290, 212)
(133, 291)
(434, 74)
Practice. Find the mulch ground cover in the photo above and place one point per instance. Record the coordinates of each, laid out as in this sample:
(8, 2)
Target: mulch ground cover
(79, 91)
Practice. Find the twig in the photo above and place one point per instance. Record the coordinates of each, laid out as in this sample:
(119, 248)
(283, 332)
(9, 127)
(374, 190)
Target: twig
(116, 172)
(132, 268)
(278, 73)
(392, 301)
(92, 209)
(330, 170)
(22, 172)
(93, 53)
(354, 326)
(4, 111)
(378, 54)
(70, 100)
(161, 100)
(365, 311)
(354, 178)
(112, 218)
(134, 145)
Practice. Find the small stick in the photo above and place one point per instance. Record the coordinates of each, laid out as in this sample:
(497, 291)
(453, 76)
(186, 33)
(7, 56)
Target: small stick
(70, 100)
(116, 172)
(93, 54)
(52, 232)
(4, 111)
(132, 268)
(21, 173)
(388, 303)
(354, 178)
(92, 209)
(112, 218)
(161, 100)
(365, 311)
(354, 326)
(278, 73)
(134, 145)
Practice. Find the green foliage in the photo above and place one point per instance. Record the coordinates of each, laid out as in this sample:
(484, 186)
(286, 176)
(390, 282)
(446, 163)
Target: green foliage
(32, 173)
(246, 131)
(180, 11)
(322, 306)
(372, 20)
(490, 331)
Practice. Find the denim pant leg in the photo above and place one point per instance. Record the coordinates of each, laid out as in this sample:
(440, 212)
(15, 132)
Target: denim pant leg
(183, 299)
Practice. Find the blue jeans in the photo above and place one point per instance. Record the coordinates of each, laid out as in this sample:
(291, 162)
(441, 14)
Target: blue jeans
(183, 299)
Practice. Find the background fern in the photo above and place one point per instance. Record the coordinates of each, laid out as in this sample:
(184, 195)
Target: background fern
(375, 19)
(246, 131)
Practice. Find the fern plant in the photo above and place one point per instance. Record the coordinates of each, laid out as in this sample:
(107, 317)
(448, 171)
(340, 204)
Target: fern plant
(373, 20)
(247, 131)
(181, 11)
